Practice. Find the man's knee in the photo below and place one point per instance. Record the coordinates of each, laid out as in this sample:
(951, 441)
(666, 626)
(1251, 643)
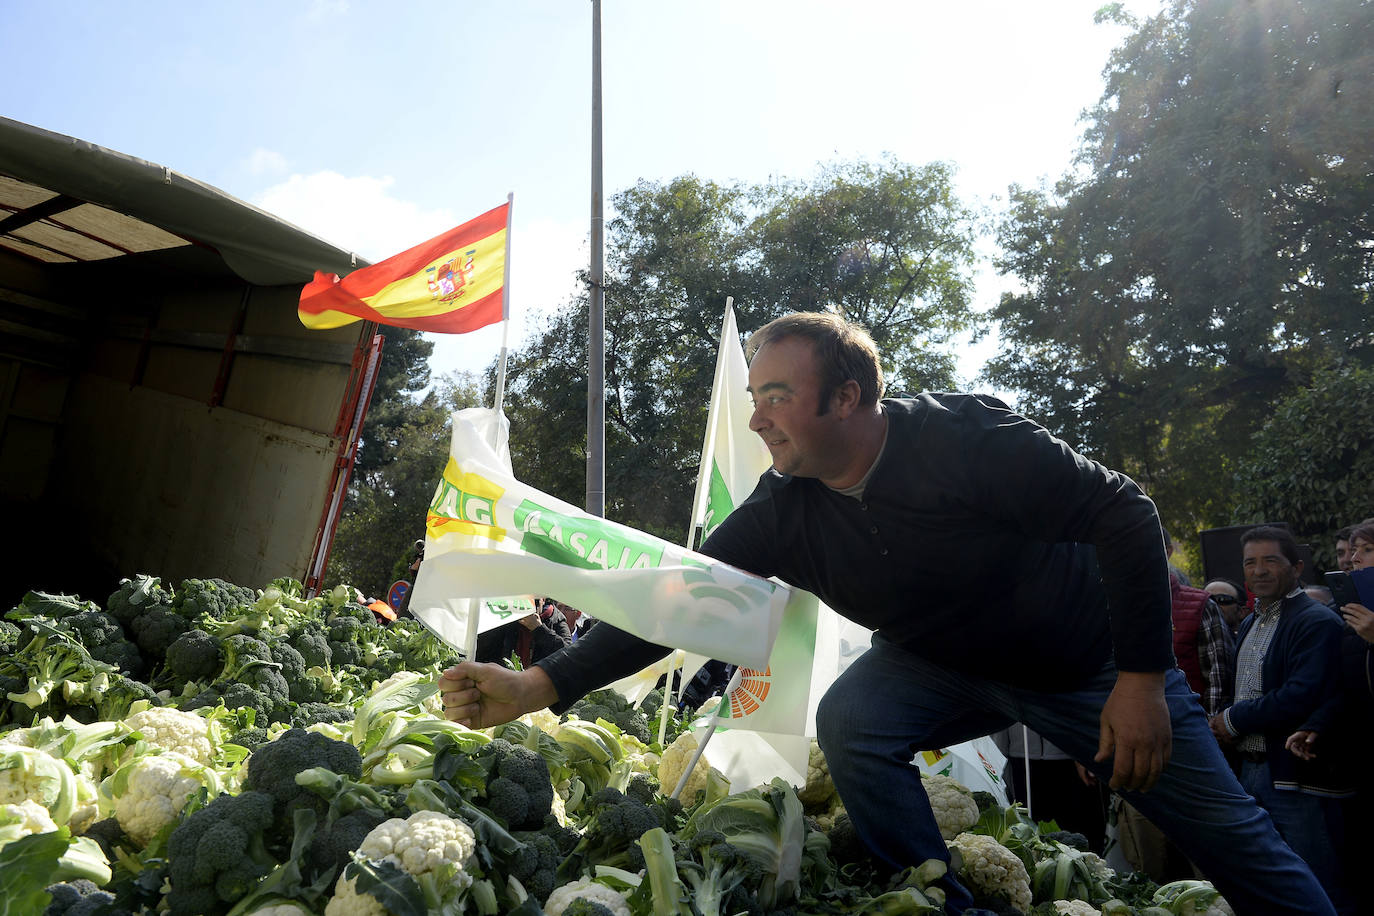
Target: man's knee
(831, 720)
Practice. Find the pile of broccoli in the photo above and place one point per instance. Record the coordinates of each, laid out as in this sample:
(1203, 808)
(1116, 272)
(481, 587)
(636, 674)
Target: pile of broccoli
(206, 642)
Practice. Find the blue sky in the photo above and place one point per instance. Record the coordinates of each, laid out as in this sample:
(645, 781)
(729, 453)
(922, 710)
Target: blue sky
(377, 125)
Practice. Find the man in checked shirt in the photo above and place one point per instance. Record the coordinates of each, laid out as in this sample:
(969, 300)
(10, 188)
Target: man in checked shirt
(1286, 660)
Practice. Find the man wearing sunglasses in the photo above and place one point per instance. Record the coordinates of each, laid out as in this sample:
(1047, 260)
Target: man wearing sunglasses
(1231, 599)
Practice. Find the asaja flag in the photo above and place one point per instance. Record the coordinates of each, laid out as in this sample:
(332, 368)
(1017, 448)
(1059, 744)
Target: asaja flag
(449, 285)
(488, 534)
(429, 591)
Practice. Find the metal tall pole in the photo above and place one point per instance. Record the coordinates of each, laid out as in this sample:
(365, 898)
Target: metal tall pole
(596, 319)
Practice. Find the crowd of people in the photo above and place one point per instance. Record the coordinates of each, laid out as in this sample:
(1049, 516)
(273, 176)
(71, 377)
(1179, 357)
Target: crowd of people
(1285, 674)
(533, 636)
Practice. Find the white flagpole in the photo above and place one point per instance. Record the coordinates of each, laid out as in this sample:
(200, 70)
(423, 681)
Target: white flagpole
(708, 457)
(1025, 749)
(469, 647)
(500, 398)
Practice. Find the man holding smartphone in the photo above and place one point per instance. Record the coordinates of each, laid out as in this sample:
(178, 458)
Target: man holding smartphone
(869, 503)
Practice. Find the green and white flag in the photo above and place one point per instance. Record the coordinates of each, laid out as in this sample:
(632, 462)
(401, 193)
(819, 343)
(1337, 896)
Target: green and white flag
(488, 534)
(734, 453)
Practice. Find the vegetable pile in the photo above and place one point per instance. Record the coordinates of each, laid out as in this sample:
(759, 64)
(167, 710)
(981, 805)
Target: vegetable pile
(209, 749)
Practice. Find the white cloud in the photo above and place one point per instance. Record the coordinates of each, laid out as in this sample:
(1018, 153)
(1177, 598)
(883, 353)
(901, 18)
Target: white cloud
(266, 162)
(361, 214)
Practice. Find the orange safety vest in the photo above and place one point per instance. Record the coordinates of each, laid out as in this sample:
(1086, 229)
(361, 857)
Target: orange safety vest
(382, 609)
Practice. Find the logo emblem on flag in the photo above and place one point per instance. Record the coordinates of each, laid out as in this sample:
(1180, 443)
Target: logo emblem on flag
(748, 697)
(449, 278)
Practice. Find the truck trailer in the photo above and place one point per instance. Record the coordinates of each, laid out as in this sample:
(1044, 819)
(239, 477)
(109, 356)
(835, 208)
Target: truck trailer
(162, 408)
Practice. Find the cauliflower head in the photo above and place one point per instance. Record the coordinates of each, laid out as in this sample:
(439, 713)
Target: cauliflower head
(174, 730)
(993, 869)
(27, 773)
(674, 763)
(426, 842)
(546, 721)
(348, 902)
(156, 789)
(818, 788)
(23, 818)
(589, 890)
(86, 810)
(953, 805)
(1076, 908)
(282, 908)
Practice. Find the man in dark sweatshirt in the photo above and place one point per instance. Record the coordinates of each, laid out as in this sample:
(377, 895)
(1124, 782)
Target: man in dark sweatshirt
(869, 504)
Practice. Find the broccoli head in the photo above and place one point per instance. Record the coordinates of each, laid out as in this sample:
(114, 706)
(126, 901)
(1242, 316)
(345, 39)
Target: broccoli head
(535, 863)
(614, 708)
(273, 767)
(156, 629)
(347, 653)
(251, 738)
(581, 906)
(519, 789)
(610, 833)
(108, 834)
(103, 636)
(217, 854)
(136, 596)
(80, 898)
(213, 598)
(301, 687)
(264, 692)
(195, 656)
(1069, 838)
(333, 847)
(314, 713)
(313, 645)
(354, 611)
(121, 693)
(243, 653)
(9, 638)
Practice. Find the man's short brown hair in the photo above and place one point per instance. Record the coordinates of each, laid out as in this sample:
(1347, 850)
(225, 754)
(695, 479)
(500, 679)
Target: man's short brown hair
(1281, 536)
(844, 352)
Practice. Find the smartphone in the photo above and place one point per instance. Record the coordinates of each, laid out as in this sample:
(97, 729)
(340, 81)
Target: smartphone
(1342, 588)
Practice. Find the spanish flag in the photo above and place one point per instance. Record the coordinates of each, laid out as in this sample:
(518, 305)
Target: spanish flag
(449, 285)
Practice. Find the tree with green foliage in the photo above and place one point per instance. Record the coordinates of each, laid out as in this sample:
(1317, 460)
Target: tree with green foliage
(1211, 250)
(401, 377)
(1312, 463)
(887, 244)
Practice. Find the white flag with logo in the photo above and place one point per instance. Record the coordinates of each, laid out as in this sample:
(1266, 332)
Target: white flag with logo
(488, 534)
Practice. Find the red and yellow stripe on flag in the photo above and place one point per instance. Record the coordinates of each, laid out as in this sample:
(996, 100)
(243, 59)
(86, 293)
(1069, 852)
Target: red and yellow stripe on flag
(450, 285)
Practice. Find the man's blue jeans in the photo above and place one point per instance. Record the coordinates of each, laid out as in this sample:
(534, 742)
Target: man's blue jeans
(1312, 825)
(891, 703)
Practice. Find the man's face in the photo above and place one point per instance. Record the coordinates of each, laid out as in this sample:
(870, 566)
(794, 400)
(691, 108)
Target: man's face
(1267, 571)
(785, 387)
(1232, 605)
(1343, 555)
